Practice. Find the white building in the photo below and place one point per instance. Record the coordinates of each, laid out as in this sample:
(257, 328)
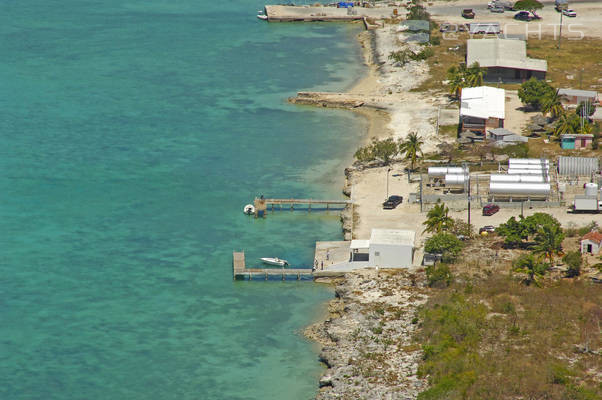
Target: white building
(591, 243)
(482, 108)
(391, 248)
(386, 248)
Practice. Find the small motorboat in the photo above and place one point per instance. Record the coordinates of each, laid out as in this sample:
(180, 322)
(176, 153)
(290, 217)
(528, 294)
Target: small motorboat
(261, 15)
(274, 261)
(249, 209)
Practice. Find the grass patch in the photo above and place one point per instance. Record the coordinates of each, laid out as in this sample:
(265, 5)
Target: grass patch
(574, 58)
(449, 130)
(498, 339)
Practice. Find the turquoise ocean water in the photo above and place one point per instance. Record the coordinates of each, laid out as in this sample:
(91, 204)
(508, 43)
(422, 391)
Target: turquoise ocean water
(132, 133)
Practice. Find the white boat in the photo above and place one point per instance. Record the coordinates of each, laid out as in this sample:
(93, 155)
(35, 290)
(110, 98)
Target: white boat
(249, 209)
(274, 261)
(262, 17)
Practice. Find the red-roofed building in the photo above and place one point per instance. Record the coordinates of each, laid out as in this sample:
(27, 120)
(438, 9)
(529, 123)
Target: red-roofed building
(591, 243)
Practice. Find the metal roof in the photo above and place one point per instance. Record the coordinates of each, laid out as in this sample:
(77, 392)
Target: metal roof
(578, 93)
(575, 166)
(393, 236)
(500, 132)
(483, 102)
(416, 25)
(506, 53)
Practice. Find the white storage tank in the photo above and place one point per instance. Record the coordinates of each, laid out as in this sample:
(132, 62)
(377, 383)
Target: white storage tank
(519, 190)
(442, 171)
(591, 189)
(516, 178)
(528, 161)
(455, 180)
(527, 172)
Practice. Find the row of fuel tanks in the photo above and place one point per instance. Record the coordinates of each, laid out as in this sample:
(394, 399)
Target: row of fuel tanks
(524, 178)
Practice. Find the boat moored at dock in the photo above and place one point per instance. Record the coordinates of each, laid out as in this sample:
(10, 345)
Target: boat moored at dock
(274, 261)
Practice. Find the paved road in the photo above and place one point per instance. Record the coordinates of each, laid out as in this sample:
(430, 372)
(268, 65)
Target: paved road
(453, 9)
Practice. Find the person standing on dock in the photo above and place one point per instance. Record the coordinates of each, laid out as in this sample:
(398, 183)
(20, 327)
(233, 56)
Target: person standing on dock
(322, 265)
(327, 254)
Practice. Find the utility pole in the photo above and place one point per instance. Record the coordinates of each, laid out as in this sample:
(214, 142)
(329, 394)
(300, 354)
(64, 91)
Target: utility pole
(560, 34)
(388, 170)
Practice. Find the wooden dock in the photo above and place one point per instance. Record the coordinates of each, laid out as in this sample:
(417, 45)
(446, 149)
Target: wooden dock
(240, 272)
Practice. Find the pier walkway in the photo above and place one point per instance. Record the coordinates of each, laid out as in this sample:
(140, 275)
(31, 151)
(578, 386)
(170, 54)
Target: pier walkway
(282, 13)
(240, 272)
(263, 204)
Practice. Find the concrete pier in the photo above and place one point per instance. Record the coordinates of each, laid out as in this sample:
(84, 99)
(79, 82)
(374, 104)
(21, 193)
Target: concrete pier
(281, 13)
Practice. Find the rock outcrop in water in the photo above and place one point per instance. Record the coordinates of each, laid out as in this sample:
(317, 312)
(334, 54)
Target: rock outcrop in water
(367, 339)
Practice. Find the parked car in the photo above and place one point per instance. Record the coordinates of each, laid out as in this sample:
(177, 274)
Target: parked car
(569, 13)
(392, 202)
(497, 9)
(522, 16)
(487, 228)
(468, 13)
(490, 209)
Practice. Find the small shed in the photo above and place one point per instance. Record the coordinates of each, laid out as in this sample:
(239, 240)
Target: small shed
(576, 141)
(503, 137)
(572, 97)
(591, 243)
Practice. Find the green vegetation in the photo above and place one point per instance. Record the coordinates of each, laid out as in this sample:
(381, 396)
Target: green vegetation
(531, 266)
(534, 92)
(582, 111)
(520, 150)
(439, 276)
(498, 339)
(548, 241)
(383, 150)
(528, 5)
(411, 147)
(574, 261)
(516, 232)
(438, 219)
(551, 104)
(446, 244)
(405, 56)
(461, 76)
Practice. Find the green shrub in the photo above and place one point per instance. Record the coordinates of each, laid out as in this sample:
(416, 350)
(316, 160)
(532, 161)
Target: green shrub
(446, 244)
(533, 91)
(439, 275)
(573, 260)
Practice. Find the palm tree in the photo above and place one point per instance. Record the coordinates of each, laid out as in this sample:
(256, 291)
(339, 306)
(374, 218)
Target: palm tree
(551, 104)
(474, 75)
(527, 264)
(548, 241)
(411, 147)
(567, 123)
(586, 129)
(438, 219)
(455, 76)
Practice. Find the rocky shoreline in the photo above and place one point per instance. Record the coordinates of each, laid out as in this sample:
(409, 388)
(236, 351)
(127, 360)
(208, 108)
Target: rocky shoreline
(367, 338)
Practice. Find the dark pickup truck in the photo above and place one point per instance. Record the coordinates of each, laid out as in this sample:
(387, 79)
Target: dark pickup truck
(392, 202)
